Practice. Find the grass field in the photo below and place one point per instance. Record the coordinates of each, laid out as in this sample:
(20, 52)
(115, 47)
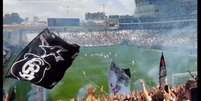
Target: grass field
(95, 61)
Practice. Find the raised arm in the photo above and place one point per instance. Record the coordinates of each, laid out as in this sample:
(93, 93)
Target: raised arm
(148, 98)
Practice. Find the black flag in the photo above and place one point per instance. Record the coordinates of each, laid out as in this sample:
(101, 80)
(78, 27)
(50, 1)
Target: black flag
(44, 60)
(162, 71)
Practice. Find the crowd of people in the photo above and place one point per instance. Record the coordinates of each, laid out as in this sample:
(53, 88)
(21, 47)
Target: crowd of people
(139, 38)
(184, 92)
(149, 39)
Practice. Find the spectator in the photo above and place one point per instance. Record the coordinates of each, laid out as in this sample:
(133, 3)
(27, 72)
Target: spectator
(91, 93)
(147, 97)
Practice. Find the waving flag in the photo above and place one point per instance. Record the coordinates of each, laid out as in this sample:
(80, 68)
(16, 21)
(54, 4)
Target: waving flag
(44, 60)
(162, 71)
(119, 80)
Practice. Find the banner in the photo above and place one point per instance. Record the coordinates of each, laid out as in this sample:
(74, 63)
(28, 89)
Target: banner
(44, 60)
(119, 80)
(162, 72)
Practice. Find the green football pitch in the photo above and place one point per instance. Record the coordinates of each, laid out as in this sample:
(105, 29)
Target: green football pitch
(91, 66)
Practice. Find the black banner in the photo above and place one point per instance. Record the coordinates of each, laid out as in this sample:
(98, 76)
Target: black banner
(44, 60)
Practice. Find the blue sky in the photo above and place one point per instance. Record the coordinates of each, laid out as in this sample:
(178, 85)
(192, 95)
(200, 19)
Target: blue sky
(67, 8)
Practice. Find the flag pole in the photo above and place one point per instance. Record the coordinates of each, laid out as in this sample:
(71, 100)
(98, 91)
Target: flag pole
(191, 75)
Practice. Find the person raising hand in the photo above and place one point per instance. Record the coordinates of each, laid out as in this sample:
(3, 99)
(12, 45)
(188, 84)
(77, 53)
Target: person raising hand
(147, 97)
